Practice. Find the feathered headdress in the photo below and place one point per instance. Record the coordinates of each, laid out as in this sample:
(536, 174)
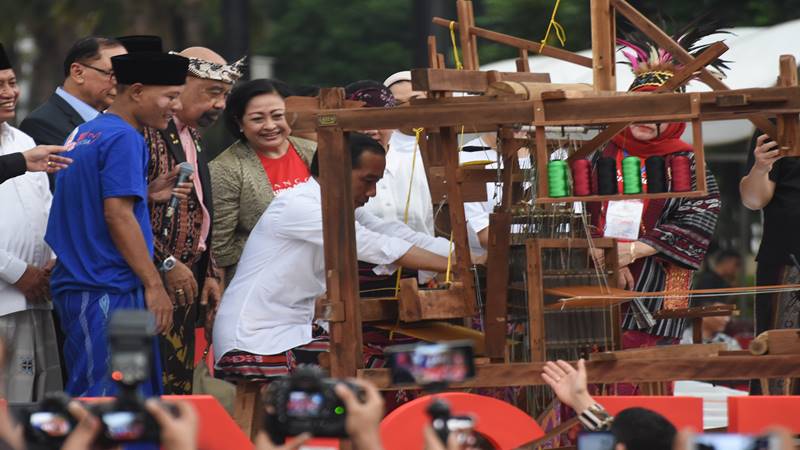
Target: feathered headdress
(654, 66)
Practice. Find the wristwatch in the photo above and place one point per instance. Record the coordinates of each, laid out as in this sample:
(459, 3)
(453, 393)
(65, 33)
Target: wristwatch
(168, 264)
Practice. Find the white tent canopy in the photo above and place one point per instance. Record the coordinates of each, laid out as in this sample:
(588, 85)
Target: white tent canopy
(753, 57)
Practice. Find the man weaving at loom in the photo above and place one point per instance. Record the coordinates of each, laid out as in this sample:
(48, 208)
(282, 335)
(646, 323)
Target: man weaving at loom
(660, 241)
(266, 322)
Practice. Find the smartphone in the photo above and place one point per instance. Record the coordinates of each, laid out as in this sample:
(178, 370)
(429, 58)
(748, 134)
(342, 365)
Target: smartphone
(600, 440)
(732, 441)
(427, 364)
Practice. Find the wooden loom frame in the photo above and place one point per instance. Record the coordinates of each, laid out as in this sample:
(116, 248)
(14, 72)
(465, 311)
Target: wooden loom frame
(442, 117)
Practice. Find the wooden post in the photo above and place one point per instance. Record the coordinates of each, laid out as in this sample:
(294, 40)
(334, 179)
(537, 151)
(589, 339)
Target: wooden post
(603, 46)
(533, 255)
(699, 155)
(542, 158)
(497, 272)
(433, 60)
(338, 218)
(473, 38)
(788, 124)
(465, 40)
(458, 221)
(523, 65)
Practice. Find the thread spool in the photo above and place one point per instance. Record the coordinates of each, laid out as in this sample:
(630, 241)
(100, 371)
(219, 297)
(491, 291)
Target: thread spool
(632, 175)
(656, 174)
(607, 176)
(581, 177)
(557, 178)
(680, 168)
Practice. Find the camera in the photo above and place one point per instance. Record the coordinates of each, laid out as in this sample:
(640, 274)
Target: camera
(431, 366)
(48, 423)
(444, 424)
(124, 419)
(305, 401)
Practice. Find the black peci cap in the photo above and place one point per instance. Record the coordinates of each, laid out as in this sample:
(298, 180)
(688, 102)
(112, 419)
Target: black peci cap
(141, 43)
(4, 62)
(150, 68)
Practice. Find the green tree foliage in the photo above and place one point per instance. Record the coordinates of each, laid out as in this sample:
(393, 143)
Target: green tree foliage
(335, 43)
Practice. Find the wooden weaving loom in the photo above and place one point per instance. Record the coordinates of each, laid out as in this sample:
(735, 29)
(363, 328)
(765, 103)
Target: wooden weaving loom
(506, 102)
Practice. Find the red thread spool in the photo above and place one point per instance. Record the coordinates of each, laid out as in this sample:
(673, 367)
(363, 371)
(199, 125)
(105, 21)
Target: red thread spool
(680, 167)
(581, 177)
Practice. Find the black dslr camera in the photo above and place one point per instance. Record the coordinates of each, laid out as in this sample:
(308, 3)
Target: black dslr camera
(306, 402)
(48, 423)
(125, 420)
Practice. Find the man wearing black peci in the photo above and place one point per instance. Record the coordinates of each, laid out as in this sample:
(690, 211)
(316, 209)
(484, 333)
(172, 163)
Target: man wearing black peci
(182, 245)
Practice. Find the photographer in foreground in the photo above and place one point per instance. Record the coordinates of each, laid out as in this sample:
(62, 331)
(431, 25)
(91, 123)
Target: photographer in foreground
(362, 423)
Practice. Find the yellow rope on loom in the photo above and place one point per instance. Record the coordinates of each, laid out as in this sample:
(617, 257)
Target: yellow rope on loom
(561, 33)
(417, 135)
(459, 66)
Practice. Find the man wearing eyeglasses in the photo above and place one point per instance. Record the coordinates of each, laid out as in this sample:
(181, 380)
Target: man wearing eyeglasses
(89, 88)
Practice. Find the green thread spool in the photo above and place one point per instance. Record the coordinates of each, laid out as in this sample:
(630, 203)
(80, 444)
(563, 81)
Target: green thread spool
(557, 178)
(632, 175)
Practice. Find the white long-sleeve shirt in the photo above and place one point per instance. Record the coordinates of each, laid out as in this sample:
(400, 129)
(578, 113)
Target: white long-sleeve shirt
(269, 306)
(25, 204)
(392, 190)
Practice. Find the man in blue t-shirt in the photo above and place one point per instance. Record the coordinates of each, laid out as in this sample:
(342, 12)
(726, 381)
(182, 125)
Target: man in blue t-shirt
(99, 224)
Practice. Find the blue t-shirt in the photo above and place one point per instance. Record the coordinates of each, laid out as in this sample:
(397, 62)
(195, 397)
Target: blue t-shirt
(109, 160)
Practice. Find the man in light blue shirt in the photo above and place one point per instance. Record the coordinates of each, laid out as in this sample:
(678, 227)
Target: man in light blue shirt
(89, 88)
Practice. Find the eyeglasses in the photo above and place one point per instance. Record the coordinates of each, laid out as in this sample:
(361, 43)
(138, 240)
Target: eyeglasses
(108, 73)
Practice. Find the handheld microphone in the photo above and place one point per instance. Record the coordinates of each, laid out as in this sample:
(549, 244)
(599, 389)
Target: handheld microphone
(186, 171)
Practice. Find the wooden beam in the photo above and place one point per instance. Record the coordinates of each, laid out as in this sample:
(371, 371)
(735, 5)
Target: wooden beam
(463, 35)
(341, 264)
(458, 222)
(681, 76)
(643, 108)
(465, 80)
(603, 46)
(665, 41)
(523, 64)
(662, 352)
(473, 39)
(497, 273)
(520, 43)
(534, 269)
(777, 342)
(631, 371)
(433, 61)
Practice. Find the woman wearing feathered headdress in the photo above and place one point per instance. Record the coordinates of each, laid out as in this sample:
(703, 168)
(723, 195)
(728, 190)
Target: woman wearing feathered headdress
(670, 239)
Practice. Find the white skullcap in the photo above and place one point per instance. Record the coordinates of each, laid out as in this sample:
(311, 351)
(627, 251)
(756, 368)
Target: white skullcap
(403, 75)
